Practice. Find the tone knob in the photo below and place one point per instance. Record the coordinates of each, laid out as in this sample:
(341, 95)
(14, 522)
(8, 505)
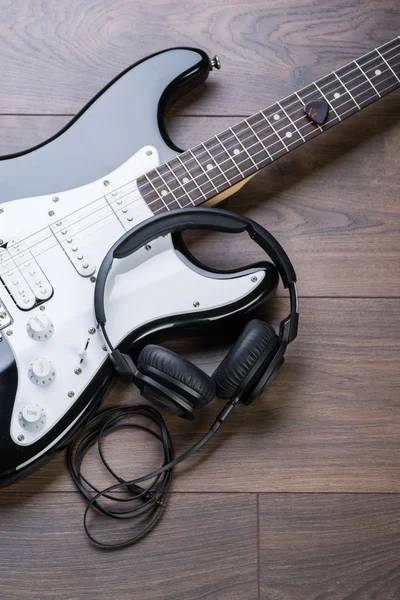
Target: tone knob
(42, 371)
(40, 328)
(32, 417)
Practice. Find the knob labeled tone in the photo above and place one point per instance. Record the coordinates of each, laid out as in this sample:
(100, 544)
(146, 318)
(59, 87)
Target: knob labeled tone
(40, 328)
(32, 417)
(42, 371)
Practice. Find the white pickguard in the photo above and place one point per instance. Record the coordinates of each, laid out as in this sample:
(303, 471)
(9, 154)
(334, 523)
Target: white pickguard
(151, 284)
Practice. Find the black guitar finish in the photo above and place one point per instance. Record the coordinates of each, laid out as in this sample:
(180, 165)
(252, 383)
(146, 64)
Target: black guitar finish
(125, 116)
(109, 129)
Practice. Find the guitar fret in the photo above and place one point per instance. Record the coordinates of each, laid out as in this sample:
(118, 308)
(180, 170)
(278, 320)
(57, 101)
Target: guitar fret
(283, 124)
(244, 148)
(184, 186)
(222, 174)
(211, 169)
(163, 189)
(367, 78)
(383, 58)
(276, 133)
(252, 142)
(151, 196)
(229, 159)
(203, 170)
(379, 72)
(247, 121)
(156, 191)
(348, 91)
(303, 104)
(339, 99)
(291, 120)
(237, 151)
(168, 188)
(233, 155)
(191, 179)
(326, 99)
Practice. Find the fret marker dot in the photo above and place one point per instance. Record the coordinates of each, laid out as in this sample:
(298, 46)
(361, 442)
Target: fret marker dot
(164, 192)
(236, 151)
(378, 72)
(185, 180)
(209, 167)
(336, 95)
(289, 134)
(276, 117)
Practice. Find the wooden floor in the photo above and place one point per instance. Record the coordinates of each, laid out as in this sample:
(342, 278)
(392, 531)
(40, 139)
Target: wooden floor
(298, 498)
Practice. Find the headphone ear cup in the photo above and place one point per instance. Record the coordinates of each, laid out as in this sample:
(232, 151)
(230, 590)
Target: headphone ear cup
(187, 383)
(257, 339)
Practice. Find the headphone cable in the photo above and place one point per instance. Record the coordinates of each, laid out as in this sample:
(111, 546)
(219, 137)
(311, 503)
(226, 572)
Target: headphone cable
(149, 502)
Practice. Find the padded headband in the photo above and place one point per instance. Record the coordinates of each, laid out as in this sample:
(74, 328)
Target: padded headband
(211, 219)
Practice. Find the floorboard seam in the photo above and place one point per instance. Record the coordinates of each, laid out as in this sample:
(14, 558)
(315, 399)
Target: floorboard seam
(258, 546)
(348, 493)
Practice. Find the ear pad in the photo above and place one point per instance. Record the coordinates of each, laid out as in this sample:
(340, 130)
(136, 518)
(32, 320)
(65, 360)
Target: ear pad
(180, 369)
(256, 339)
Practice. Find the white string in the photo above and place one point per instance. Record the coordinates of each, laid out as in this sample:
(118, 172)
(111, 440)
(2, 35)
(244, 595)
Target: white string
(234, 166)
(184, 195)
(161, 208)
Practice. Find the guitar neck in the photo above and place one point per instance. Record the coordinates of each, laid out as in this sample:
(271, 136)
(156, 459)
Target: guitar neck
(203, 172)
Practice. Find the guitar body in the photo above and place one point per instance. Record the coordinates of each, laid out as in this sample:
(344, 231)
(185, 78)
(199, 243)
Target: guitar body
(62, 206)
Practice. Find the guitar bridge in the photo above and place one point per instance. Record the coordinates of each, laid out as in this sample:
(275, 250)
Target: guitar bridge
(23, 278)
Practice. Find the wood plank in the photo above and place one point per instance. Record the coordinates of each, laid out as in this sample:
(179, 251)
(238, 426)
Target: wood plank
(204, 547)
(56, 56)
(329, 546)
(330, 422)
(333, 204)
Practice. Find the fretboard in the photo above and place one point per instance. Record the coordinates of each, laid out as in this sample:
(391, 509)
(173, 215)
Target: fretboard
(203, 172)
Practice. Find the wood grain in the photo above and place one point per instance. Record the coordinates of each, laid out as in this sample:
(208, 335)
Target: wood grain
(330, 547)
(57, 55)
(330, 422)
(205, 547)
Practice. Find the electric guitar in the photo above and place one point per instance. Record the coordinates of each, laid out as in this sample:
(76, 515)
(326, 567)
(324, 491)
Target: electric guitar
(64, 203)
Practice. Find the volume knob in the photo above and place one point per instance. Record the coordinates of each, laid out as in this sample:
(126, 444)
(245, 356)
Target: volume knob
(42, 371)
(32, 417)
(40, 328)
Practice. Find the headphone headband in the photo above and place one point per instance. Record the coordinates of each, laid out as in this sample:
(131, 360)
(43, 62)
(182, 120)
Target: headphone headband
(210, 219)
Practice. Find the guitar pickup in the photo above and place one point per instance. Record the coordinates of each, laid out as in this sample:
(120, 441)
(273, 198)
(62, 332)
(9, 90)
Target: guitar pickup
(23, 277)
(79, 257)
(5, 317)
(31, 271)
(66, 231)
(18, 288)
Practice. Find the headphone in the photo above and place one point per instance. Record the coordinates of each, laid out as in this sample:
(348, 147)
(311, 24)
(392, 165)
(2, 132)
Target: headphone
(174, 383)
(169, 380)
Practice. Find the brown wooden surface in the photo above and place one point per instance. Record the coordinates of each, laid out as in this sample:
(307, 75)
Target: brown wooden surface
(219, 560)
(297, 498)
(330, 546)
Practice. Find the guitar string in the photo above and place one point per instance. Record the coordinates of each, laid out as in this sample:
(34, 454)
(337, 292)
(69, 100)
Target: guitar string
(227, 160)
(34, 255)
(263, 140)
(277, 131)
(257, 143)
(139, 196)
(82, 237)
